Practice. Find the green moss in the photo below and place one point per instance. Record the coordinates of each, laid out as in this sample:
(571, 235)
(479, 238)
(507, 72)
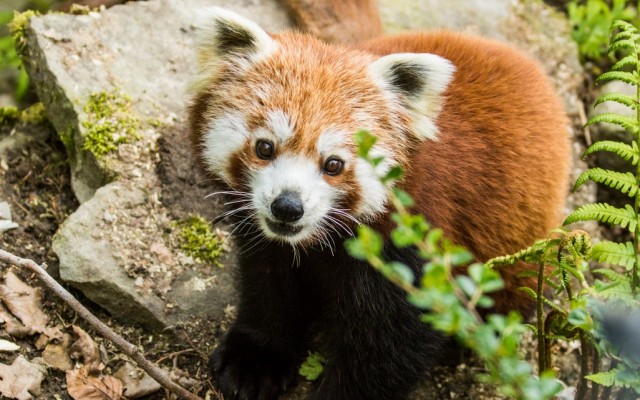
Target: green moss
(66, 137)
(109, 122)
(198, 240)
(34, 115)
(9, 115)
(18, 26)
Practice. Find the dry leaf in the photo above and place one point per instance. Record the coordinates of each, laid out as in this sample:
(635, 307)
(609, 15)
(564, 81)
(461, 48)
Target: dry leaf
(6, 345)
(21, 379)
(136, 383)
(12, 325)
(82, 386)
(24, 302)
(86, 348)
(57, 356)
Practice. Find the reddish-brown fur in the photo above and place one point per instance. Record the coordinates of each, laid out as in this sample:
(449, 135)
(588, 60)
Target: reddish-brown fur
(496, 180)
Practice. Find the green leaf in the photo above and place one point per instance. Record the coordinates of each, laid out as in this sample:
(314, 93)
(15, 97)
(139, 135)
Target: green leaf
(604, 378)
(394, 173)
(623, 150)
(402, 271)
(616, 290)
(486, 302)
(488, 279)
(622, 35)
(627, 123)
(529, 291)
(312, 367)
(365, 141)
(620, 44)
(579, 317)
(608, 273)
(403, 197)
(625, 217)
(625, 182)
(629, 101)
(461, 258)
(368, 243)
(466, 284)
(628, 60)
(624, 26)
(623, 76)
(614, 253)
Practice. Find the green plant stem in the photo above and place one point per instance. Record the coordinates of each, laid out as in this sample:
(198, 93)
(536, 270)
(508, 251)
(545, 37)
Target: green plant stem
(470, 304)
(540, 317)
(635, 280)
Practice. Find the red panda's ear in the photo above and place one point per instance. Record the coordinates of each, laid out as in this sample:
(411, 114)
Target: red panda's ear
(226, 37)
(418, 80)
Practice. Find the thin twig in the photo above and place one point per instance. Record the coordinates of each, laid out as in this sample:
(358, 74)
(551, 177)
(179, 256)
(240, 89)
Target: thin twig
(129, 349)
(583, 121)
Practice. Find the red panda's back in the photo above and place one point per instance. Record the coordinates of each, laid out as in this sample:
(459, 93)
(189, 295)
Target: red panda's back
(496, 179)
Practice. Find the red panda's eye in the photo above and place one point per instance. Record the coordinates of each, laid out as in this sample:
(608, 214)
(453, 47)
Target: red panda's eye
(333, 166)
(264, 149)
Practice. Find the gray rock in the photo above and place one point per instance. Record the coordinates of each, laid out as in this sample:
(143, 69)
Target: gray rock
(5, 210)
(5, 217)
(88, 261)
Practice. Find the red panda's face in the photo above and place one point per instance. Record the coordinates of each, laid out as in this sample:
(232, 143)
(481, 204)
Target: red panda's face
(276, 118)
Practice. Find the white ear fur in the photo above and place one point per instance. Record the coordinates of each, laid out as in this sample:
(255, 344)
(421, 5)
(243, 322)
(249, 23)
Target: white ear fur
(223, 37)
(418, 79)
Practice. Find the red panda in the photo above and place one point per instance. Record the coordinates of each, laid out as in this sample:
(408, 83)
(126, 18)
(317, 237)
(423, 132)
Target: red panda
(474, 123)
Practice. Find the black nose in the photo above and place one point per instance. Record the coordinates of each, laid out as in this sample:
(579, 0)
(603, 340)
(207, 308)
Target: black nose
(287, 207)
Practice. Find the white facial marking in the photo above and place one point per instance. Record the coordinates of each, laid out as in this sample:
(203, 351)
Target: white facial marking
(224, 136)
(297, 174)
(280, 125)
(334, 142)
(373, 193)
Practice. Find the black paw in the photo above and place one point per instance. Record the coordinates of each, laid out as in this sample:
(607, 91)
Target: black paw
(246, 371)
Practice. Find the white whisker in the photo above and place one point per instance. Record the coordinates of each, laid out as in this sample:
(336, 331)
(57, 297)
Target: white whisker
(231, 192)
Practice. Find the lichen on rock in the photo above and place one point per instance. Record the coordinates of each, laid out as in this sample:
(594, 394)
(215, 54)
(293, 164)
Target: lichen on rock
(199, 241)
(109, 122)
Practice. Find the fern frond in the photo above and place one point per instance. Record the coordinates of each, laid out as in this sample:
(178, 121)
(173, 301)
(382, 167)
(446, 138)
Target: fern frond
(622, 44)
(628, 153)
(627, 123)
(529, 291)
(612, 275)
(623, 26)
(628, 101)
(625, 217)
(554, 305)
(604, 378)
(623, 76)
(625, 61)
(614, 253)
(531, 252)
(622, 35)
(616, 290)
(625, 182)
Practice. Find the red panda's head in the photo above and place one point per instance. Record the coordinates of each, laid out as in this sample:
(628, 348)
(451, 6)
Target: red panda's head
(275, 115)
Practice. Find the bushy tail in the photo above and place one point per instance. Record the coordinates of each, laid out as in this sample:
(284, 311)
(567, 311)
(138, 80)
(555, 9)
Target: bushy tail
(337, 21)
